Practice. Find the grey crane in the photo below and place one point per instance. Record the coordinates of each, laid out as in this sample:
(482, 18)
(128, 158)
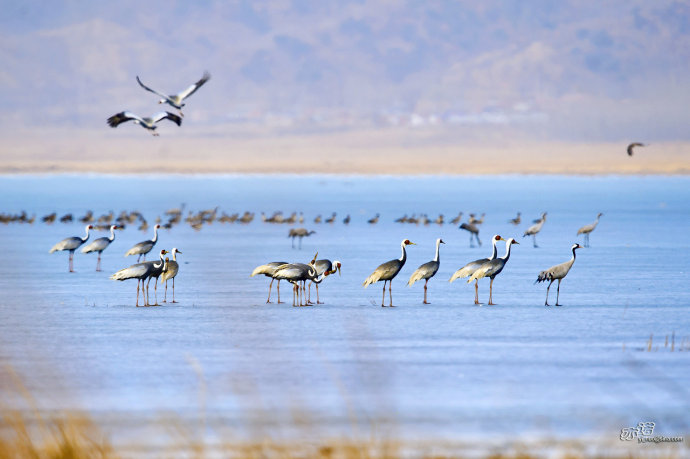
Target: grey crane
(301, 233)
(517, 220)
(296, 273)
(327, 267)
(557, 272)
(144, 247)
(269, 270)
(100, 244)
(457, 219)
(493, 268)
(476, 221)
(176, 100)
(374, 220)
(387, 271)
(587, 229)
(427, 270)
(633, 145)
(170, 270)
(534, 229)
(474, 232)
(71, 244)
(141, 272)
(148, 123)
(472, 266)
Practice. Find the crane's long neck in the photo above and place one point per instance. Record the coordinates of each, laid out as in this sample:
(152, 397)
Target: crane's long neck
(507, 255)
(438, 245)
(573, 259)
(112, 234)
(155, 236)
(403, 257)
(86, 238)
(174, 255)
(494, 254)
(162, 261)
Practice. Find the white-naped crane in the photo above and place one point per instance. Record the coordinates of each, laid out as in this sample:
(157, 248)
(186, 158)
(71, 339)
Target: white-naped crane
(472, 266)
(71, 244)
(493, 268)
(100, 244)
(534, 229)
(474, 232)
(323, 266)
(427, 270)
(269, 270)
(144, 247)
(557, 272)
(176, 100)
(587, 229)
(632, 146)
(296, 273)
(170, 270)
(142, 272)
(148, 123)
(387, 271)
(301, 233)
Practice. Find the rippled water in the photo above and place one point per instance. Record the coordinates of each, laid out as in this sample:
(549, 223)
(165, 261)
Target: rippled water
(448, 369)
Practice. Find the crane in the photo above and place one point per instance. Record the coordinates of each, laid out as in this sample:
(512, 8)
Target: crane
(100, 244)
(493, 268)
(71, 244)
(472, 266)
(557, 272)
(387, 271)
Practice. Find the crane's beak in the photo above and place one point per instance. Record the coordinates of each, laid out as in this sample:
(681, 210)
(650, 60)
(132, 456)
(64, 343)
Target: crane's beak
(179, 251)
(339, 271)
(515, 242)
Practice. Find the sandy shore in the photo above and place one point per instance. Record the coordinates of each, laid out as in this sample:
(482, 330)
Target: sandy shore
(389, 151)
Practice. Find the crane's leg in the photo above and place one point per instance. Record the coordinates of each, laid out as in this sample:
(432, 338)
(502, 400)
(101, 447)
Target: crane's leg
(138, 292)
(587, 240)
(546, 303)
(71, 261)
(147, 292)
(155, 291)
(383, 297)
(491, 289)
(309, 297)
(476, 291)
(317, 295)
(478, 241)
(270, 286)
(278, 288)
(471, 244)
(293, 242)
(98, 263)
(534, 240)
(165, 297)
(558, 291)
(425, 282)
(139, 258)
(173, 290)
(390, 293)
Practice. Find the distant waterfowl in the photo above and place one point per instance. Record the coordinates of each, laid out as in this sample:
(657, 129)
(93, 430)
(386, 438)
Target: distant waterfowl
(476, 221)
(148, 123)
(472, 266)
(474, 232)
(331, 219)
(439, 220)
(534, 229)
(141, 272)
(427, 270)
(67, 218)
(587, 229)
(300, 233)
(457, 219)
(269, 270)
(100, 244)
(144, 247)
(632, 146)
(327, 267)
(402, 219)
(71, 244)
(170, 270)
(517, 220)
(317, 219)
(346, 220)
(557, 272)
(493, 268)
(176, 100)
(50, 218)
(374, 220)
(387, 272)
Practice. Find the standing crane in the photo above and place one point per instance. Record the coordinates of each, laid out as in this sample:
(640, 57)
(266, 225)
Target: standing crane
(141, 272)
(517, 220)
(472, 266)
(170, 270)
(474, 232)
(296, 273)
(269, 270)
(323, 266)
(71, 244)
(493, 268)
(301, 233)
(144, 247)
(587, 229)
(427, 270)
(557, 272)
(534, 229)
(100, 244)
(387, 272)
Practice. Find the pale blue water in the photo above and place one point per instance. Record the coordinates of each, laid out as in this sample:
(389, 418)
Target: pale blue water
(449, 369)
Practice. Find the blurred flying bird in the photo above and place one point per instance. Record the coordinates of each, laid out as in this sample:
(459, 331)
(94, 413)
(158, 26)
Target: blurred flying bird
(148, 123)
(633, 145)
(175, 100)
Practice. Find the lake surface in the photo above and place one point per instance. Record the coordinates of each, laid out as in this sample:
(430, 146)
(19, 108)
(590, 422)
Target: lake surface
(445, 370)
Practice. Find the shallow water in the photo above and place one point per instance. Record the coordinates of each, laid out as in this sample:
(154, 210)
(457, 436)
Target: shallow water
(449, 369)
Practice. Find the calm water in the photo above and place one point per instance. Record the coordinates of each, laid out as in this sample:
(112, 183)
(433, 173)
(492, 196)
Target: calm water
(449, 369)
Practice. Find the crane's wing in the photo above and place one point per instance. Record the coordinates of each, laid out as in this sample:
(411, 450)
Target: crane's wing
(163, 115)
(192, 89)
(122, 117)
(164, 96)
(633, 145)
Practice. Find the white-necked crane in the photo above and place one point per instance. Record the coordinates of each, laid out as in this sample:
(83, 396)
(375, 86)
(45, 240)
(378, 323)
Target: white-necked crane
(269, 270)
(170, 270)
(534, 229)
(296, 273)
(71, 244)
(100, 244)
(557, 272)
(472, 266)
(427, 270)
(587, 229)
(144, 247)
(493, 268)
(141, 272)
(323, 266)
(387, 271)
(176, 100)
(148, 123)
